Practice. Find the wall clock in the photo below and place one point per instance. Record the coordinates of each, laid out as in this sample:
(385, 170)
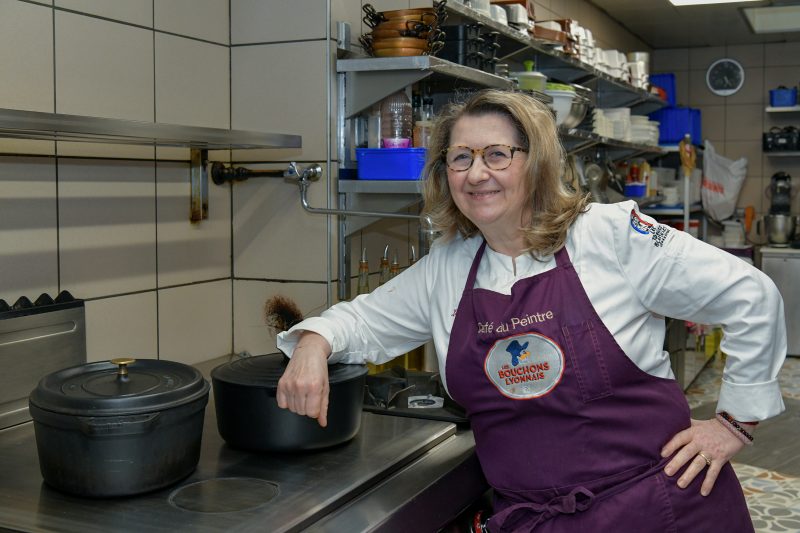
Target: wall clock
(725, 77)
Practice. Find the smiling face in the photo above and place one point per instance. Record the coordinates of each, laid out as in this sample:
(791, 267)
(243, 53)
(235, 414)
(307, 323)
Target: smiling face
(494, 200)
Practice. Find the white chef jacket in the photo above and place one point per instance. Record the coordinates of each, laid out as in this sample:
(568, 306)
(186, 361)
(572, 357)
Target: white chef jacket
(634, 271)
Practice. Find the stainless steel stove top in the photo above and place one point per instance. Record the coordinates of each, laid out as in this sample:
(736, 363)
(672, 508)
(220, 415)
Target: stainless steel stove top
(231, 490)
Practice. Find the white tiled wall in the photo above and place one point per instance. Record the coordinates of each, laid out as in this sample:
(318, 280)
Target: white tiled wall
(28, 236)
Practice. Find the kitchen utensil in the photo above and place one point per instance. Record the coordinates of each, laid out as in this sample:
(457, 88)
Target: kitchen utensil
(780, 228)
(530, 80)
(119, 427)
(596, 180)
(248, 416)
(562, 102)
(577, 111)
(499, 15)
(400, 42)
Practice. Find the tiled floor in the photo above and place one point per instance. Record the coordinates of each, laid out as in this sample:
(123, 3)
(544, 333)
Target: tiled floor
(770, 477)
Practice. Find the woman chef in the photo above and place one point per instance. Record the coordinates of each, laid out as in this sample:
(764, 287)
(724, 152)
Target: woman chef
(548, 318)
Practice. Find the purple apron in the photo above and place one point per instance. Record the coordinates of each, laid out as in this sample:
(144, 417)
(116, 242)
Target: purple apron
(568, 430)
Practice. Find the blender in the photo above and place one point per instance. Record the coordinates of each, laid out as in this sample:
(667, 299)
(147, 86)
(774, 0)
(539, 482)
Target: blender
(779, 224)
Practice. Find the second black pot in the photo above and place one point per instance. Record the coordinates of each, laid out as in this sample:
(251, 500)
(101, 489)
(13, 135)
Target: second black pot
(248, 416)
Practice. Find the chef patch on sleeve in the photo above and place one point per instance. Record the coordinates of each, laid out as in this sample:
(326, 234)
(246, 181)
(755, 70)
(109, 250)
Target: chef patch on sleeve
(658, 232)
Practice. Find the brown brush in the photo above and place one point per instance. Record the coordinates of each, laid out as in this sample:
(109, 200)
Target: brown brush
(281, 313)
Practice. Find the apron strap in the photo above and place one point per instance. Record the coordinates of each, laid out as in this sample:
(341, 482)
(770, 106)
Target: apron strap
(473, 270)
(579, 499)
(562, 257)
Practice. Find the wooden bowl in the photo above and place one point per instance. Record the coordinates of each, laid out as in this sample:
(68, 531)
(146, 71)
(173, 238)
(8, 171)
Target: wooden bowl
(398, 52)
(400, 42)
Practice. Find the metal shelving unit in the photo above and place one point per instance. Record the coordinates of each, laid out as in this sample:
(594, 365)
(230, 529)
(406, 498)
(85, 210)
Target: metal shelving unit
(366, 81)
(60, 127)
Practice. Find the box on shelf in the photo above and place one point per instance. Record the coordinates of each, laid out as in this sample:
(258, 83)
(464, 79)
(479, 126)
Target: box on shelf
(675, 122)
(635, 190)
(666, 82)
(783, 97)
(390, 163)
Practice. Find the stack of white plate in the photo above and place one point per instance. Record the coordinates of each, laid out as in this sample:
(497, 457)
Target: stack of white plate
(644, 130)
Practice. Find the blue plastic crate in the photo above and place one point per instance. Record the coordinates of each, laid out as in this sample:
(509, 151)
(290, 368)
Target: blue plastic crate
(666, 82)
(675, 122)
(783, 97)
(390, 163)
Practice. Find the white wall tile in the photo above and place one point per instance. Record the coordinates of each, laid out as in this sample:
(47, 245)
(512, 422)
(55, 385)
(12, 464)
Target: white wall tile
(204, 19)
(26, 56)
(255, 21)
(27, 147)
(192, 82)
(107, 226)
(251, 332)
(104, 151)
(28, 228)
(122, 326)
(274, 238)
(194, 322)
(103, 68)
(282, 88)
(191, 252)
(133, 11)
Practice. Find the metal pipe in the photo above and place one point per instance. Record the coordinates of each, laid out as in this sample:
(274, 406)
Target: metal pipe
(221, 174)
(303, 182)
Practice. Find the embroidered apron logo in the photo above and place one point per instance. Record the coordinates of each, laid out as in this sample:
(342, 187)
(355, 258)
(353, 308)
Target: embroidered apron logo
(525, 366)
(658, 231)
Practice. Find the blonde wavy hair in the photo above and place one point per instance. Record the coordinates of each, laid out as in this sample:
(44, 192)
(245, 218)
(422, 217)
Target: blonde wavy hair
(553, 207)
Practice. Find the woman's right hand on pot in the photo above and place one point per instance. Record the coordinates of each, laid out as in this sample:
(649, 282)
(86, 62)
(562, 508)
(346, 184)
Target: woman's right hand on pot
(303, 388)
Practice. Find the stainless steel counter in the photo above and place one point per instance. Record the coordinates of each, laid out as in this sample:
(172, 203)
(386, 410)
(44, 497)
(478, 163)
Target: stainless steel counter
(397, 474)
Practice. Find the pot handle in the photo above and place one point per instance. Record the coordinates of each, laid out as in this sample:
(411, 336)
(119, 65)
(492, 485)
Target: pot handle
(114, 426)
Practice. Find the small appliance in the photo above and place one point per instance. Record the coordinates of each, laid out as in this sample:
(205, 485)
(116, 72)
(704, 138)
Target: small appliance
(780, 189)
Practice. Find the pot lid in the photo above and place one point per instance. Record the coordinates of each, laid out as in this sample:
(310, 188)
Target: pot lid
(266, 370)
(119, 386)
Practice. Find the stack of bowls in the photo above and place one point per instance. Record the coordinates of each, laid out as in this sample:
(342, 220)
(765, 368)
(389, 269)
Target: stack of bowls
(403, 32)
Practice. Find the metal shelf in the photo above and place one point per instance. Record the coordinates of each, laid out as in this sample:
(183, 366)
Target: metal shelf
(380, 186)
(577, 140)
(782, 154)
(372, 79)
(60, 127)
(610, 91)
(671, 210)
(789, 109)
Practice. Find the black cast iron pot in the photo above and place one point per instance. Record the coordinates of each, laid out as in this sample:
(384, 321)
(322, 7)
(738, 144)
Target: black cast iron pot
(106, 429)
(248, 416)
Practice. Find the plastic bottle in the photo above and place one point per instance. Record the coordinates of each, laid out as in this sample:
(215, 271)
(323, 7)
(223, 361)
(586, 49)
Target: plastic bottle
(396, 121)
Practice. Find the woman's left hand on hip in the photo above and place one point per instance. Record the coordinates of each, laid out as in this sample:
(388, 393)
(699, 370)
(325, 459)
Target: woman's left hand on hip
(706, 446)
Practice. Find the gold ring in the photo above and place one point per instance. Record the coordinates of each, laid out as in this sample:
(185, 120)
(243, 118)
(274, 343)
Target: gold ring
(705, 458)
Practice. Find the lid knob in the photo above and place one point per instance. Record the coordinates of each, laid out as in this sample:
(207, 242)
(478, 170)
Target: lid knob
(123, 363)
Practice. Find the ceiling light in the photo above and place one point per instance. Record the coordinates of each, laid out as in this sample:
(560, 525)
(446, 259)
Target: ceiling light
(681, 3)
(776, 19)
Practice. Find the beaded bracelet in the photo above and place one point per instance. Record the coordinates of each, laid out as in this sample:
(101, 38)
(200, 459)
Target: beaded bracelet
(731, 424)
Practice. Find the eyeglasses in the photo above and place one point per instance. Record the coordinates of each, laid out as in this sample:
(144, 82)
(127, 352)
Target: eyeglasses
(495, 156)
